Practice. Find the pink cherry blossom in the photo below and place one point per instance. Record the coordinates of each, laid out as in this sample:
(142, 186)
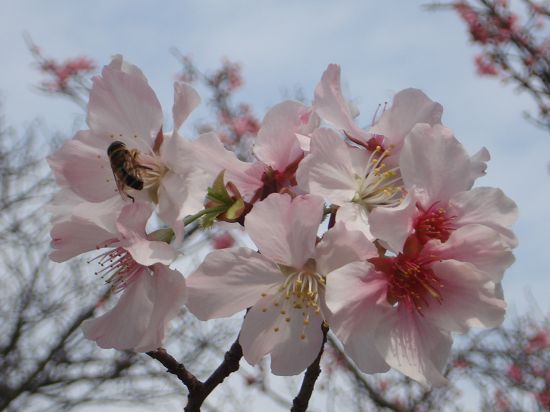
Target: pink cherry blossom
(124, 108)
(399, 311)
(84, 232)
(438, 174)
(133, 264)
(277, 150)
(283, 285)
(140, 318)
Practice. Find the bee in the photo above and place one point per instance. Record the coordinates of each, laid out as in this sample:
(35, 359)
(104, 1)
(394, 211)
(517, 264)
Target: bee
(125, 168)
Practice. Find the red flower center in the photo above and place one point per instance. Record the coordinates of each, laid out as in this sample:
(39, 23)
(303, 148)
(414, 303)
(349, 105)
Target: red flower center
(433, 223)
(411, 281)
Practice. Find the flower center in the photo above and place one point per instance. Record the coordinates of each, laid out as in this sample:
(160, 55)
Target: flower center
(299, 293)
(433, 223)
(151, 170)
(380, 186)
(410, 282)
(303, 286)
(118, 267)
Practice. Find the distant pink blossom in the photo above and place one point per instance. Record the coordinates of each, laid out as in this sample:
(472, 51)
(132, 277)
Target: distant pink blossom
(223, 240)
(515, 373)
(485, 66)
(539, 341)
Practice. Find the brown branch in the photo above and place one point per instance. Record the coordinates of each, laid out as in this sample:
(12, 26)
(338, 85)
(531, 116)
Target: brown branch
(310, 377)
(199, 391)
(175, 368)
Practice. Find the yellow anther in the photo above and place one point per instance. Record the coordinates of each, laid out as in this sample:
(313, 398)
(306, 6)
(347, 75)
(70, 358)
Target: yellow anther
(287, 319)
(276, 329)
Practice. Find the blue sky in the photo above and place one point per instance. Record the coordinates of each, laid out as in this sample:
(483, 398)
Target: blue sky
(382, 46)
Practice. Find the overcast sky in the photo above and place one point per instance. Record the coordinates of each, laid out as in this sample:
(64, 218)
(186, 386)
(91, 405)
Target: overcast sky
(382, 46)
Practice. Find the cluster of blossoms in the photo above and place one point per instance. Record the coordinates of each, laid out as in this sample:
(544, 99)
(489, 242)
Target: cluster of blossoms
(63, 75)
(377, 235)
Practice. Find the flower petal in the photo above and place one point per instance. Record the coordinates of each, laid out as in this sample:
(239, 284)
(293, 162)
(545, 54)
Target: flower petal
(123, 104)
(414, 346)
(186, 99)
(355, 295)
(230, 281)
(132, 220)
(148, 253)
(487, 206)
(355, 217)
(259, 335)
(123, 326)
(393, 225)
(432, 159)
(468, 299)
(294, 354)
(276, 144)
(331, 105)
(328, 169)
(180, 196)
(285, 229)
(83, 167)
(340, 246)
(478, 245)
(208, 154)
(409, 107)
(169, 296)
(76, 236)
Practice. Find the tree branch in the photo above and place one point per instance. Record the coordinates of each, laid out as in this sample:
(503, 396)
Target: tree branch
(199, 391)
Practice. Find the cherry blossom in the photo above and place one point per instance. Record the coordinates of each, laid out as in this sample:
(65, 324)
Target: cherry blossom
(409, 107)
(399, 310)
(134, 264)
(123, 108)
(277, 150)
(283, 285)
(353, 178)
(438, 175)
